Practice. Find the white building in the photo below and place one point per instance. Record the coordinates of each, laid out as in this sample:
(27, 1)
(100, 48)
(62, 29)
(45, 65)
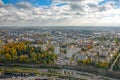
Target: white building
(57, 50)
(71, 51)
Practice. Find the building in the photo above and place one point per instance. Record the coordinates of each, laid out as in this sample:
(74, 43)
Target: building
(71, 51)
(57, 50)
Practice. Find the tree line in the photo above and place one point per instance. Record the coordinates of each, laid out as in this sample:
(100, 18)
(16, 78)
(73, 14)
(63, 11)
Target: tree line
(24, 53)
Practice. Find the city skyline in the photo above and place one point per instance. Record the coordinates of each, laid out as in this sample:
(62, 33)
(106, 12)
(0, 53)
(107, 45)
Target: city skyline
(59, 12)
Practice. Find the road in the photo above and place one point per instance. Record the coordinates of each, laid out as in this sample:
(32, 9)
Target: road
(89, 69)
(76, 74)
(73, 73)
(111, 68)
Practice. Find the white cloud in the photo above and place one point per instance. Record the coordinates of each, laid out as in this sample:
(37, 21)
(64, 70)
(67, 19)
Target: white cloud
(74, 13)
(24, 5)
(1, 3)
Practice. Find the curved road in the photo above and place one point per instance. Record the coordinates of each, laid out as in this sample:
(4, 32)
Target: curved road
(111, 68)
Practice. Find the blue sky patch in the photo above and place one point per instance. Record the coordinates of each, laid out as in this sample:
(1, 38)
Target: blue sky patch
(61, 4)
(105, 1)
(34, 2)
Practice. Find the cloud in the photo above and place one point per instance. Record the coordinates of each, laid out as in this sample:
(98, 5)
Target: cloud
(72, 13)
(24, 5)
(1, 3)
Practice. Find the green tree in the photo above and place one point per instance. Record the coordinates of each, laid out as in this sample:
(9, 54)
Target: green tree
(34, 56)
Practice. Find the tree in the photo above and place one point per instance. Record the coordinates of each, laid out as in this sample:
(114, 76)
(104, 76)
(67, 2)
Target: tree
(103, 64)
(89, 46)
(14, 54)
(34, 56)
(8, 57)
(23, 58)
(1, 54)
(79, 62)
(86, 62)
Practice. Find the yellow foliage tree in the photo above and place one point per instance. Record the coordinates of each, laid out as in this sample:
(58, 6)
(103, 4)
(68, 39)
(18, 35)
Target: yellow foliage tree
(23, 58)
(8, 57)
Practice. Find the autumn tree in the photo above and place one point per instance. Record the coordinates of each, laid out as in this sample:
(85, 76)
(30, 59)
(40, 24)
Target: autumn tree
(25, 53)
(8, 57)
(23, 58)
(14, 55)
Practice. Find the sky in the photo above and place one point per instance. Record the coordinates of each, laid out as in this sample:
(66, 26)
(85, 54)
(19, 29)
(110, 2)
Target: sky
(60, 13)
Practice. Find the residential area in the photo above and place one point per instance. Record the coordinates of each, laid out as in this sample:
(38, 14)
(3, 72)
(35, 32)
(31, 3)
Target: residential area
(63, 47)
